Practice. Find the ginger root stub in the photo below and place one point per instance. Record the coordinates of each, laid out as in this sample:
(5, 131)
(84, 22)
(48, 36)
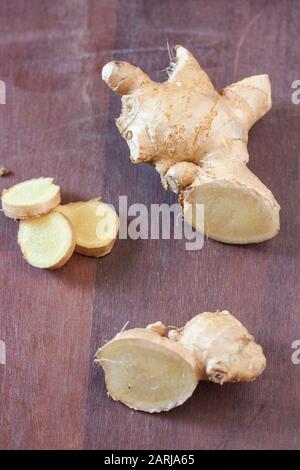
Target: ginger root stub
(196, 137)
(150, 369)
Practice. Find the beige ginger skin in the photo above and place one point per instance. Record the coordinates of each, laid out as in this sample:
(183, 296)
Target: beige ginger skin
(196, 137)
(152, 369)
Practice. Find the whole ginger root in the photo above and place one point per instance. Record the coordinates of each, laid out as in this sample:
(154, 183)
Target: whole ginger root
(152, 369)
(196, 137)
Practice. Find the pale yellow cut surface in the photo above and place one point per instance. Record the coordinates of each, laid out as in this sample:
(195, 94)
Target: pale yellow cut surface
(96, 225)
(146, 376)
(47, 241)
(234, 213)
(30, 198)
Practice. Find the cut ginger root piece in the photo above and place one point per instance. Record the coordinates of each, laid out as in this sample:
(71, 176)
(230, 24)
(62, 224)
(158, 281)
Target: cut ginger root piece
(30, 198)
(196, 137)
(96, 225)
(153, 370)
(47, 241)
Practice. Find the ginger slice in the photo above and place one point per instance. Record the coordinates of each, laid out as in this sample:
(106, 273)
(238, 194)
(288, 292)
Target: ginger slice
(47, 241)
(96, 225)
(30, 198)
(151, 371)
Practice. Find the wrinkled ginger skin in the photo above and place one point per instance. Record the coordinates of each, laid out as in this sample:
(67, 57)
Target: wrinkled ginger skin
(197, 137)
(211, 346)
(224, 346)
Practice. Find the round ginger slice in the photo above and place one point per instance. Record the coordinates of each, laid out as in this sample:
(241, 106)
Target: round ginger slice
(147, 372)
(47, 241)
(96, 225)
(30, 198)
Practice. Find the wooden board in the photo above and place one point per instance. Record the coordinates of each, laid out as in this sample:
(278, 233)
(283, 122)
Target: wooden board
(58, 121)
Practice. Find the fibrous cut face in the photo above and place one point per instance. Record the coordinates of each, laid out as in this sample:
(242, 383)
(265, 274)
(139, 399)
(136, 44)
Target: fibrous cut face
(47, 241)
(96, 225)
(234, 213)
(146, 376)
(30, 198)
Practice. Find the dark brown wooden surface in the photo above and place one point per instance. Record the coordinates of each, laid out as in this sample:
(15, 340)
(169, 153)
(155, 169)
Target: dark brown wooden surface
(59, 121)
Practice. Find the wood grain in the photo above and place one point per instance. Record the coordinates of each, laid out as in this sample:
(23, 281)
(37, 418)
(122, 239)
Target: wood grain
(59, 121)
